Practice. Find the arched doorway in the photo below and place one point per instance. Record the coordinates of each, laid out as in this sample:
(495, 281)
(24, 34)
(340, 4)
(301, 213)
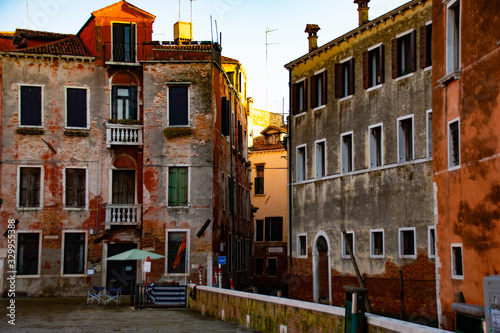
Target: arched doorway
(321, 269)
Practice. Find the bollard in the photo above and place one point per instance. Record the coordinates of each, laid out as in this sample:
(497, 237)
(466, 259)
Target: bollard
(201, 275)
(220, 276)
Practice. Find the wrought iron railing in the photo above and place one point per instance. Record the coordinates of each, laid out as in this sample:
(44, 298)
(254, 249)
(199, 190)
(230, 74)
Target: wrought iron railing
(118, 134)
(123, 214)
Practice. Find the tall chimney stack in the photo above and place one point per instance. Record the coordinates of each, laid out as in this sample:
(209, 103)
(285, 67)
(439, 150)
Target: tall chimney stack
(312, 30)
(363, 11)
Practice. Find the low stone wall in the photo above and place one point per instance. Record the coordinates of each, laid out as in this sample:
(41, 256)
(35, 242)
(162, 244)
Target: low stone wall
(274, 314)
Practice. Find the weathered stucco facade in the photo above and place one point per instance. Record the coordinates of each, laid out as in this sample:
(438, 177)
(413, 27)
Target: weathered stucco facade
(111, 142)
(466, 138)
(360, 158)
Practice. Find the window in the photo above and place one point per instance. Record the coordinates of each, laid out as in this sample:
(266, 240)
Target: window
(259, 230)
(274, 229)
(75, 191)
(28, 253)
(31, 106)
(426, 45)
(429, 133)
(30, 190)
(346, 154)
(407, 243)
(124, 42)
(231, 194)
(74, 253)
(272, 264)
(344, 78)
(238, 255)
(259, 266)
(302, 246)
(349, 239)
(320, 159)
(178, 105)
(373, 66)
(272, 138)
(405, 138)
(124, 103)
(453, 36)
(177, 251)
(301, 163)
(454, 143)
(224, 192)
(457, 270)
(123, 190)
(225, 119)
(432, 241)
(240, 137)
(375, 133)
(403, 54)
(178, 186)
(299, 97)
(377, 243)
(259, 179)
(76, 107)
(318, 89)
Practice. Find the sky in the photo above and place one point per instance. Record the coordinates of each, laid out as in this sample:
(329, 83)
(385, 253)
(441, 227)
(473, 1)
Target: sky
(243, 24)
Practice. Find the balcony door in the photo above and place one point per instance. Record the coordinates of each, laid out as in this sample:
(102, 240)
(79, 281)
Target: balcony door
(123, 187)
(123, 42)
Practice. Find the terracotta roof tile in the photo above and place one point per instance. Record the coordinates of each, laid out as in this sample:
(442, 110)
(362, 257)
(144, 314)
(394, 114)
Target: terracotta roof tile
(25, 33)
(69, 46)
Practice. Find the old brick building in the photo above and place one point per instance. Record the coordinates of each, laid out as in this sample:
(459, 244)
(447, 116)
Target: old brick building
(112, 141)
(361, 160)
(466, 136)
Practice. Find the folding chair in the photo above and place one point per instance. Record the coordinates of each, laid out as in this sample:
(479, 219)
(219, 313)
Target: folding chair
(113, 295)
(95, 294)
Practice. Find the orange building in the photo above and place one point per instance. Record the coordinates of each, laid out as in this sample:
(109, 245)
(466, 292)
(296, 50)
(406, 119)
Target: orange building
(466, 141)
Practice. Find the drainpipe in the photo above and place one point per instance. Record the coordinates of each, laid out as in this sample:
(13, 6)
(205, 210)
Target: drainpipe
(290, 193)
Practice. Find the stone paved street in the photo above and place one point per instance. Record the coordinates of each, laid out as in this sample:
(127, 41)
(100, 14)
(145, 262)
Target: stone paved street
(74, 315)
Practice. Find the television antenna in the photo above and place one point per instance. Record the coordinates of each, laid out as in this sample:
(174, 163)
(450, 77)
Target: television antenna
(268, 30)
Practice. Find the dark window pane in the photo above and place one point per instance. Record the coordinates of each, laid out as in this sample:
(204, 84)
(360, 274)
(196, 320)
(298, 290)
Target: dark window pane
(123, 187)
(31, 106)
(177, 252)
(75, 188)
(29, 187)
(178, 108)
(271, 266)
(74, 253)
(27, 253)
(76, 107)
(259, 232)
(123, 42)
(259, 266)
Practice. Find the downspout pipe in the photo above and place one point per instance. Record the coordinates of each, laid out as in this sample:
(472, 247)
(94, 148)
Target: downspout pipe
(290, 193)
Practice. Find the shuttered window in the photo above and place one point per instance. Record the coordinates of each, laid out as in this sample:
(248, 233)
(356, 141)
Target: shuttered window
(123, 187)
(240, 137)
(259, 179)
(231, 195)
(274, 229)
(29, 187)
(124, 102)
(347, 153)
(344, 79)
(28, 248)
(75, 191)
(453, 143)
(318, 89)
(426, 46)
(405, 139)
(31, 106)
(74, 253)
(76, 107)
(373, 67)
(259, 230)
(404, 54)
(178, 106)
(177, 186)
(226, 116)
(299, 97)
(375, 146)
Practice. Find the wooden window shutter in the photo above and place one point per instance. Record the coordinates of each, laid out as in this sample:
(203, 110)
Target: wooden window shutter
(365, 70)
(381, 63)
(31, 106)
(312, 93)
(225, 116)
(423, 47)
(295, 98)
(351, 77)
(80, 175)
(76, 107)
(338, 80)
(114, 101)
(413, 49)
(172, 186)
(394, 58)
(324, 93)
(304, 95)
(133, 102)
(70, 187)
(183, 186)
(178, 108)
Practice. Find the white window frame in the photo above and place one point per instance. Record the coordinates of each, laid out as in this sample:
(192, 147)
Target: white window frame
(304, 166)
(317, 166)
(42, 184)
(299, 247)
(188, 186)
(351, 133)
(400, 244)
(403, 76)
(376, 86)
(452, 64)
(42, 86)
(63, 242)
(86, 188)
(370, 148)
(88, 107)
(450, 165)
(372, 244)
(431, 241)
(320, 91)
(188, 84)
(344, 252)
(454, 276)
(428, 136)
(40, 240)
(188, 252)
(398, 126)
(344, 78)
(304, 102)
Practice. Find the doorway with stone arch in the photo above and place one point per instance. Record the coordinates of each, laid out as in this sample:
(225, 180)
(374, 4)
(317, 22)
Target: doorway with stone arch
(322, 287)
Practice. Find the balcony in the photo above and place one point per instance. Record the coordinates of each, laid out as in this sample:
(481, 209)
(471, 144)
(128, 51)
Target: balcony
(127, 135)
(123, 214)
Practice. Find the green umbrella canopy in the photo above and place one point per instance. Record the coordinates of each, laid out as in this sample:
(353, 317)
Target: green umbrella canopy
(135, 254)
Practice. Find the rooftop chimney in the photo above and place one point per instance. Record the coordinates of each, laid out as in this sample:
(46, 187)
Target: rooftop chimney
(312, 30)
(183, 32)
(362, 11)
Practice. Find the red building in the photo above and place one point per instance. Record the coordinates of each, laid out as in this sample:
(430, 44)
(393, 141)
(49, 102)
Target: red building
(112, 141)
(466, 145)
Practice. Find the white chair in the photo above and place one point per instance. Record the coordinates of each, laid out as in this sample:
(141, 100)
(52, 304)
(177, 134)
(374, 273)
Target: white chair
(95, 294)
